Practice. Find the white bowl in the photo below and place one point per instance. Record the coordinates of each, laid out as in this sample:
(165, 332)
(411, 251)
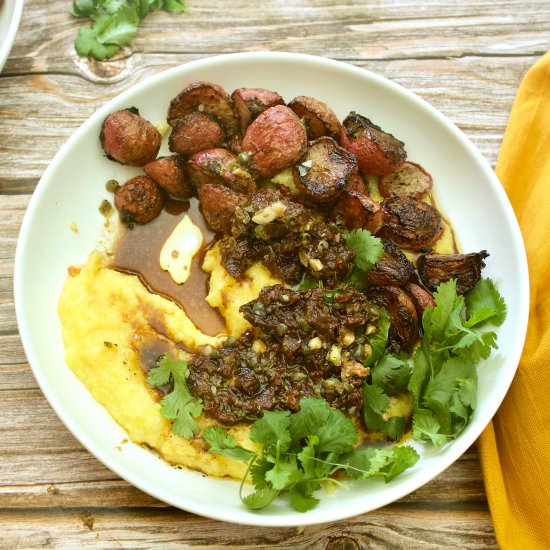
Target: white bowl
(10, 16)
(73, 185)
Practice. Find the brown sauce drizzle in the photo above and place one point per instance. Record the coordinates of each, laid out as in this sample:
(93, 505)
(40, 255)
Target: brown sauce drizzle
(137, 252)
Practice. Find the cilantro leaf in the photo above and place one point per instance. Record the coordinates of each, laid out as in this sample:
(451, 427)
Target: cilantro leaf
(484, 303)
(174, 6)
(272, 431)
(178, 405)
(222, 442)
(399, 459)
(86, 43)
(388, 462)
(84, 8)
(302, 502)
(425, 426)
(375, 404)
(260, 498)
(379, 340)
(444, 378)
(299, 450)
(392, 373)
(284, 473)
(335, 431)
(114, 23)
(368, 248)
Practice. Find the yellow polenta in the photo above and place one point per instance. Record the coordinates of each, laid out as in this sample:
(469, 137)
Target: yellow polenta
(228, 295)
(109, 322)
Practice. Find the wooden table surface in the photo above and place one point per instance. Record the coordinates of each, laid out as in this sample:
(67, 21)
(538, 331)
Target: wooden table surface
(465, 57)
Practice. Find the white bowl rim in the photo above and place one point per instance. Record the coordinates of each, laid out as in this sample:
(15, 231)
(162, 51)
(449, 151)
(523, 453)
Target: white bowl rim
(458, 446)
(5, 47)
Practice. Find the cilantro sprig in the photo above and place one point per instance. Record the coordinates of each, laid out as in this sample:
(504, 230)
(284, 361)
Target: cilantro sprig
(441, 376)
(368, 248)
(456, 338)
(178, 405)
(114, 23)
(368, 251)
(300, 451)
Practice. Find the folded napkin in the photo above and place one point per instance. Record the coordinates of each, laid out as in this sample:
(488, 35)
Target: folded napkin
(515, 447)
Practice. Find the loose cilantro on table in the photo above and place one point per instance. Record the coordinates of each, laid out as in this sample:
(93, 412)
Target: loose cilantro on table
(114, 23)
(300, 451)
(178, 405)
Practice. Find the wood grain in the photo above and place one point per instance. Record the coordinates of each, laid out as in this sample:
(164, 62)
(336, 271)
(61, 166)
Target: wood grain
(466, 58)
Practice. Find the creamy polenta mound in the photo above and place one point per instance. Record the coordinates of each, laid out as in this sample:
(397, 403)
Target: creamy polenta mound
(110, 321)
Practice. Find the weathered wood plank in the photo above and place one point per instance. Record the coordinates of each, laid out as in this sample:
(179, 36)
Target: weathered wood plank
(381, 30)
(391, 527)
(466, 58)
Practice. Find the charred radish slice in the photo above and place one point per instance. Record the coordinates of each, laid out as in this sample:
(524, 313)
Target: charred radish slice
(439, 268)
(195, 132)
(207, 98)
(403, 333)
(421, 298)
(222, 167)
(129, 139)
(409, 179)
(277, 139)
(359, 211)
(377, 152)
(324, 170)
(139, 200)
(393, 269)
(317, 116)
(218, 205)
(170, 174)
(410, 223)
(250, 102)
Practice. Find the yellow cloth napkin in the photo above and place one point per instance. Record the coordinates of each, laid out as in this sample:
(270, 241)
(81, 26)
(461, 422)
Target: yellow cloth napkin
(515, 447)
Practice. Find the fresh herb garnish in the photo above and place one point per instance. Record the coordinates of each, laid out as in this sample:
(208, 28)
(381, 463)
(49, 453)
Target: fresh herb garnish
(178, 405)
(441, 376)
(368, 251)
(114, 23)
(444, 378)
(368, 248)
(299, 451)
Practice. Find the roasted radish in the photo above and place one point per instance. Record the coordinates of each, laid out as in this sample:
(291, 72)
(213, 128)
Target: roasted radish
(275, 140)
(129, 139)
(439, 268)
(222, 167)
(218, 205)
(171, 175)
(409, 179)
(377, 152)
(250, 102)
(403, 333)
(410, 223)
(393, 269)
(207, 98)
(139, 200)
(358, 211)
(422, 298)
(195, 132)
(318, 117)
(324, 170)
